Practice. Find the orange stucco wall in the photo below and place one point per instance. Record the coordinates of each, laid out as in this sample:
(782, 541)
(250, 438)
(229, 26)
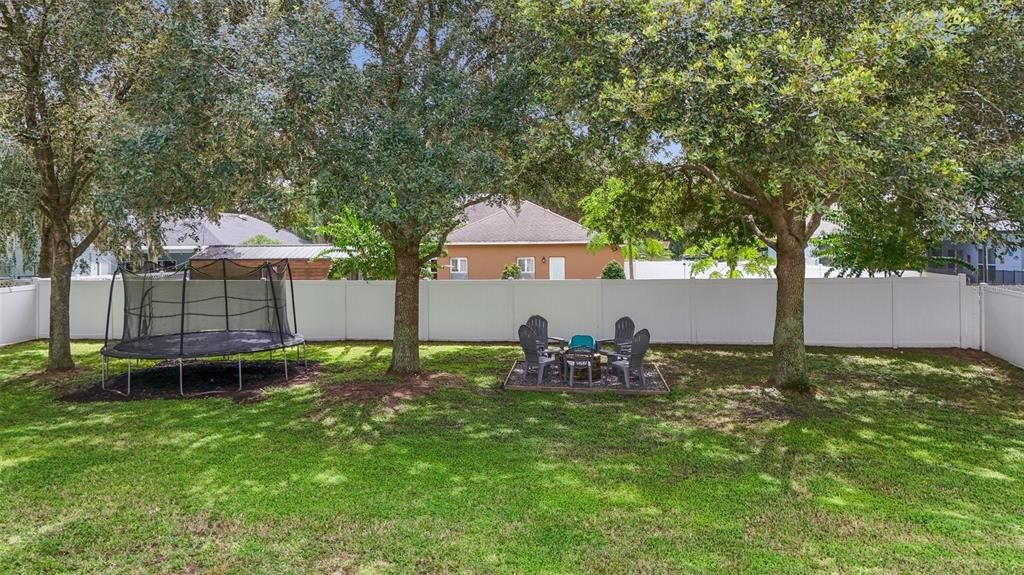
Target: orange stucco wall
(486, 261)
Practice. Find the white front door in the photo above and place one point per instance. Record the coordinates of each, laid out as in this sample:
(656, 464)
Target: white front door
(556, 268)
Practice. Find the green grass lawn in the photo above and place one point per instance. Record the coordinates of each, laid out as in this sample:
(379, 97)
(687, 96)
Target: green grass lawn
(906, 462)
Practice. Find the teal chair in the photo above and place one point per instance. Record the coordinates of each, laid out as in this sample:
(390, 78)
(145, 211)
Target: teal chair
(580, 340)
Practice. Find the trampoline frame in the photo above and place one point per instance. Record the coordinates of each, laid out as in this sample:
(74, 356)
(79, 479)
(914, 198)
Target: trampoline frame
(297, 340)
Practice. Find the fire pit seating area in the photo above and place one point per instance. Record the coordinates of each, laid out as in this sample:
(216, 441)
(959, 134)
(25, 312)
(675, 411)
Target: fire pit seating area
(554, 362)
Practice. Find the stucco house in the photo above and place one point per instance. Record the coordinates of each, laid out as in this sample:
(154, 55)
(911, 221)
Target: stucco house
(182, 239)
(305, 261)
(544, 244)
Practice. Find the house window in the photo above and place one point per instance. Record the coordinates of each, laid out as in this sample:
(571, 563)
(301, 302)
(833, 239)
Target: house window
(526, 268)
(459, 269)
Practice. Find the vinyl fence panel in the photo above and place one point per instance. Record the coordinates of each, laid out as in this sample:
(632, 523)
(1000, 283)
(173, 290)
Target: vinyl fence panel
(1003, 324)
(17, 314)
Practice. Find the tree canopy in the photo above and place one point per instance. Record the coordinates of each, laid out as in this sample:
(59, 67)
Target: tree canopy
(782, 110)
(403, 115)
(133, 113)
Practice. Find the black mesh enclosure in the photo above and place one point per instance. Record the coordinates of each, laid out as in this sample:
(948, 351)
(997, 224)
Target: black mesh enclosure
(211, 309)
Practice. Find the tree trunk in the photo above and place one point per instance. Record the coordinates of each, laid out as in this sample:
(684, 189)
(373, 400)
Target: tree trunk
(405, 347)
(631, 256)
(63, 261)
(45, 252)
(790, 366)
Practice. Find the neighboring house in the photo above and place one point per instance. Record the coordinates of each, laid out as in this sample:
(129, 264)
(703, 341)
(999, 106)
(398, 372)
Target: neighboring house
(305, 261)
(183, 238)
(13, 265)
(544, 244)
(993, 265)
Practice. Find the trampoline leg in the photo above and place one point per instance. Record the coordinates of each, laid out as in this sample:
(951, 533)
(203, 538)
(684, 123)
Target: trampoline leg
(129, 377)
(181, 387)
(305, 355)
(239, 373)
(284, 352)
(103, 377)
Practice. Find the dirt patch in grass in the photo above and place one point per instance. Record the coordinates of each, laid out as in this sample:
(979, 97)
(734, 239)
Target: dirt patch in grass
(201, 379)
(56, 378)
(389, 393)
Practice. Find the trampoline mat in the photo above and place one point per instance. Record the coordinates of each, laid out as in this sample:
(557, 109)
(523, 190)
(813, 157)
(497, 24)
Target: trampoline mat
(201, 344)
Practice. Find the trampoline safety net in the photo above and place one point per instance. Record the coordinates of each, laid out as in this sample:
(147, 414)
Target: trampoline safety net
(200, 310)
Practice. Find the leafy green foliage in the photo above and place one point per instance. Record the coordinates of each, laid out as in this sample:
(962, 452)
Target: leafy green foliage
(361, 249)
(434, 118)
(261, 240)
(613, 271)
(623, 215)
(883, 237)
(740, 259)
(426, 125)
(511, 272)
(19, 219)
(620, 213)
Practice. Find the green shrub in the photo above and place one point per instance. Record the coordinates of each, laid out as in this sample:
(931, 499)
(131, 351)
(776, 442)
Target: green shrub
(261, 240)
(511, 272)
(613, 271)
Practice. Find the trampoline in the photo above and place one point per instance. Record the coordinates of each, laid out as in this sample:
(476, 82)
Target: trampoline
(218, 308)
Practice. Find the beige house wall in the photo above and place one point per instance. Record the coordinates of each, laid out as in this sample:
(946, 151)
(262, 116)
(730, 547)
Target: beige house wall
(485, 262)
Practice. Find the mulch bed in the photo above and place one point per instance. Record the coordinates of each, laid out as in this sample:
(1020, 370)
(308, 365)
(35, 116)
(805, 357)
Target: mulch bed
(518, 379)
(201, 379)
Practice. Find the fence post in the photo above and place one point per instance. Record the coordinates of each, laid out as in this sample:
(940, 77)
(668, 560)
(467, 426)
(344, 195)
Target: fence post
(892, 311)
(961, 282)
(425, 307)
(981, 319)
(691, 284)
(513, 328)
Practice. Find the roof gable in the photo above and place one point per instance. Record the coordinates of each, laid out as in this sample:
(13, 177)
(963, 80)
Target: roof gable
(530, 224)
(231, 229)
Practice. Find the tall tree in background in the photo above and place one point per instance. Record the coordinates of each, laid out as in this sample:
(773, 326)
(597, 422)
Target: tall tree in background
(117, 103)
(411, 112)
(622, 214)
(783, 110)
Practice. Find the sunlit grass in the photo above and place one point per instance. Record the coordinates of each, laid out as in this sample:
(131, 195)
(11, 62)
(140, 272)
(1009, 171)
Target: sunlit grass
(906, 461)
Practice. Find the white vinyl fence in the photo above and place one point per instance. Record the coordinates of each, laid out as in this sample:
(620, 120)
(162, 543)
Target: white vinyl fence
(1002, 324)
(18, 314)
(939, 311)
(934, 311)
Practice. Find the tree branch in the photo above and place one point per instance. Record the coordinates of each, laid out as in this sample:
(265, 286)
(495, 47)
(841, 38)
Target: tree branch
(710, 174)
(87, 240)
(438, 248)
(752, 222)
(811, 225)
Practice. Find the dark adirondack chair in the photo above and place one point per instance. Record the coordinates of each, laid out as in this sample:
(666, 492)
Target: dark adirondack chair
(623, 339)
(633, 361)
(579, 358)
(534, 358)
(539, 325)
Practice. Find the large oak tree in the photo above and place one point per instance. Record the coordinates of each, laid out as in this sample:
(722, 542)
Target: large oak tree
(117, 103)
(402, 114)
(783, 110)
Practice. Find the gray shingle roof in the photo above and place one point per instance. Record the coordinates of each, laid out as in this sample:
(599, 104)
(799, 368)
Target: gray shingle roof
(232, 229)
(531, 224)
(271, 253)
